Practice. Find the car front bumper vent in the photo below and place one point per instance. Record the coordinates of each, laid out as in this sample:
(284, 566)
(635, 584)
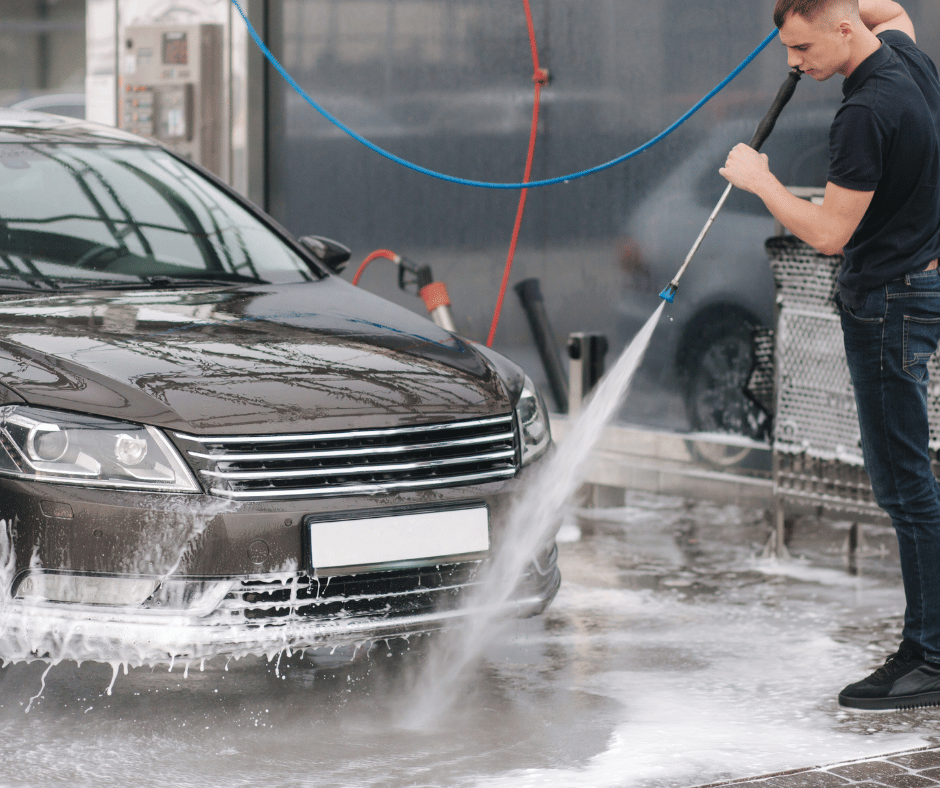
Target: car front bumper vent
(355, 462)
(293, 612)
(384, 595)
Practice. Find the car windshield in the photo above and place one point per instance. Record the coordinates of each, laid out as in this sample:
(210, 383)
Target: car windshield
(94, 215)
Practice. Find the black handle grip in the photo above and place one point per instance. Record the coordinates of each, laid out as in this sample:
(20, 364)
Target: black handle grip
(412, 275)
(780, 101)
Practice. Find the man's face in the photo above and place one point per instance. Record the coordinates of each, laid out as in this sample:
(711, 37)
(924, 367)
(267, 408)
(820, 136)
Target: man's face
(818, 48)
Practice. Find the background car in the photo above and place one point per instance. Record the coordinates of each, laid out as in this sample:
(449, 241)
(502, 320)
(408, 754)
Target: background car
(728, 289)
(209, 442)
(70, 105)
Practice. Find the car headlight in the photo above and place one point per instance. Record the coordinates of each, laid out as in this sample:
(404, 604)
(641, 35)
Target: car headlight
(534, 429)
(49, 445)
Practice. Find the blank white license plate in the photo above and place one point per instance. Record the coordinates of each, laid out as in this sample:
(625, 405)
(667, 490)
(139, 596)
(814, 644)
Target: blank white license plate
(400, 539)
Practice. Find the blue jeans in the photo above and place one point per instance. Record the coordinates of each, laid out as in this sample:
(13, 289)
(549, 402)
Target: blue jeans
(887, 344)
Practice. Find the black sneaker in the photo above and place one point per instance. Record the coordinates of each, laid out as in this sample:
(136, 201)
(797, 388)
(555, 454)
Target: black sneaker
(905, 681)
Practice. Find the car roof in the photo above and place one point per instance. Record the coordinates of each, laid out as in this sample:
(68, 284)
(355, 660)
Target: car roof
(42, 100)
(18, 125)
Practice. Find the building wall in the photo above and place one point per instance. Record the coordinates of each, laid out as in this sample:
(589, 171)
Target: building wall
(447, 84)
(42, 47)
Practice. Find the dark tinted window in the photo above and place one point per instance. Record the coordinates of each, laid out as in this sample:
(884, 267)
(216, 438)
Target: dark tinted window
(112, 212)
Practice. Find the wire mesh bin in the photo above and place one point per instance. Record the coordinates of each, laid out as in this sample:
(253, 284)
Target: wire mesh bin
(817, 457)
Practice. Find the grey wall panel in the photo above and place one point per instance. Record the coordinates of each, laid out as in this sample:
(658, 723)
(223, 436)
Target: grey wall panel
(447, 83)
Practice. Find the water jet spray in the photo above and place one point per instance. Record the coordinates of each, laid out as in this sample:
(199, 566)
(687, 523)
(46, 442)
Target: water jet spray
(535, 515)
(533, 521)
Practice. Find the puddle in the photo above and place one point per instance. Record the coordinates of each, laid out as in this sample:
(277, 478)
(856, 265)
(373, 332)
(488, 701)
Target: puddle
(671, 657)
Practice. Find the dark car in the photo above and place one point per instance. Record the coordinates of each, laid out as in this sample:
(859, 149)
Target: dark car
(209, 442)
(71, 105)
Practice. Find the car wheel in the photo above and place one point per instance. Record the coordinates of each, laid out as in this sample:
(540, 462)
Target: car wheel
(719, 367)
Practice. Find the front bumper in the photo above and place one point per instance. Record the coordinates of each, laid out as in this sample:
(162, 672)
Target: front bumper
(256, 548)
(264, 617)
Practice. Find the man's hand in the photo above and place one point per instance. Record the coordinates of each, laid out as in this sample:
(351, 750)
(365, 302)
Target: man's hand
(747, 169)
(827, 227)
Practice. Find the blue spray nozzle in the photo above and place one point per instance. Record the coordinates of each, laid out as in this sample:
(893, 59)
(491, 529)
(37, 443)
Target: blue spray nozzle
(669, 293)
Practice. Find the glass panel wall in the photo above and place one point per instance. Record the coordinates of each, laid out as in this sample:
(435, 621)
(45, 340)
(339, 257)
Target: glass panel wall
(447, 84)
(42, 54)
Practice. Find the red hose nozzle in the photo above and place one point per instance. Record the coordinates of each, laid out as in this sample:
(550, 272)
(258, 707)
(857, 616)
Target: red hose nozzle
(437, 301)
(434, 295)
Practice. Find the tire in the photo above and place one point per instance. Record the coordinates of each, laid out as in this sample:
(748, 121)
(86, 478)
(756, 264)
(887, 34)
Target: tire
(719, 365)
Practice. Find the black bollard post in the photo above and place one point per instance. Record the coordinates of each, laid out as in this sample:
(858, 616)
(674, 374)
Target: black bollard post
(586, 352)
(530, 294)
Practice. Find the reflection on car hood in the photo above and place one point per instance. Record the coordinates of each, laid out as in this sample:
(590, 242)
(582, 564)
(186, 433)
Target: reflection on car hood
(300, 357)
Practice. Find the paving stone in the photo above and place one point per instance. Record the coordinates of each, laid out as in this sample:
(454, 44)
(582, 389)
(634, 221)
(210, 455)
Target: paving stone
(925, 759)
(758, 783)
(868, 785)
(810, 779)
(869, 771)
(916, 769)
(908, 781)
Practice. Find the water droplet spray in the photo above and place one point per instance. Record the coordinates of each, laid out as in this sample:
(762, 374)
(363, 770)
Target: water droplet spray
(532, 522)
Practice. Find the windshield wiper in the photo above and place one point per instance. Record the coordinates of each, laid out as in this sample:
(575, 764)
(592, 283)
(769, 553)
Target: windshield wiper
(161, 283)
(184, 281)
(11, 289)
(30, 284)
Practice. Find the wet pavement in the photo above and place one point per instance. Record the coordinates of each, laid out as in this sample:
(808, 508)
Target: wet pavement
(914, 769)
(672, 657)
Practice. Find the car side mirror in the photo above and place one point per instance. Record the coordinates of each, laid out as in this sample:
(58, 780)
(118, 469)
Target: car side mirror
(331, 253)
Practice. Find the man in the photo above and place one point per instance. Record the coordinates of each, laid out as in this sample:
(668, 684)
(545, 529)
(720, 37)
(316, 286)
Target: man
(882, 210)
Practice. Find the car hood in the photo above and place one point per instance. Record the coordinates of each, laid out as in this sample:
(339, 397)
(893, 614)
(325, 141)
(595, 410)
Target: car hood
(300, 357)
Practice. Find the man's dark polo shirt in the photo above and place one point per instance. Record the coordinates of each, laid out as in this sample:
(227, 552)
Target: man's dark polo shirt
(886, 138)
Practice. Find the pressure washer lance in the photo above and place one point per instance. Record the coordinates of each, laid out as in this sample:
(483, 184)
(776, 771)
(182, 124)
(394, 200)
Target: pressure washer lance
(434, 294)
(760, 137)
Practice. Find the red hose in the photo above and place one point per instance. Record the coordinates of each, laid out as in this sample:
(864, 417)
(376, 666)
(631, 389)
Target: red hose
(388, 255)
(540, 77)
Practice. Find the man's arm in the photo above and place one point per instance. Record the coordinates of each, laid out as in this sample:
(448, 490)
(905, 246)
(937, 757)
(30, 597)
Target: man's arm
(881, 15)
(827, 227)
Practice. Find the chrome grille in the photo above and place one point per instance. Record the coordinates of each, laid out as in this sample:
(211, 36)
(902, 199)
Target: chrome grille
(355, 462)
(388, 595)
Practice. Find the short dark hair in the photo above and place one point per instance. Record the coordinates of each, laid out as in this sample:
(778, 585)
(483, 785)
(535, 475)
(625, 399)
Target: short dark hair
(808, 9)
